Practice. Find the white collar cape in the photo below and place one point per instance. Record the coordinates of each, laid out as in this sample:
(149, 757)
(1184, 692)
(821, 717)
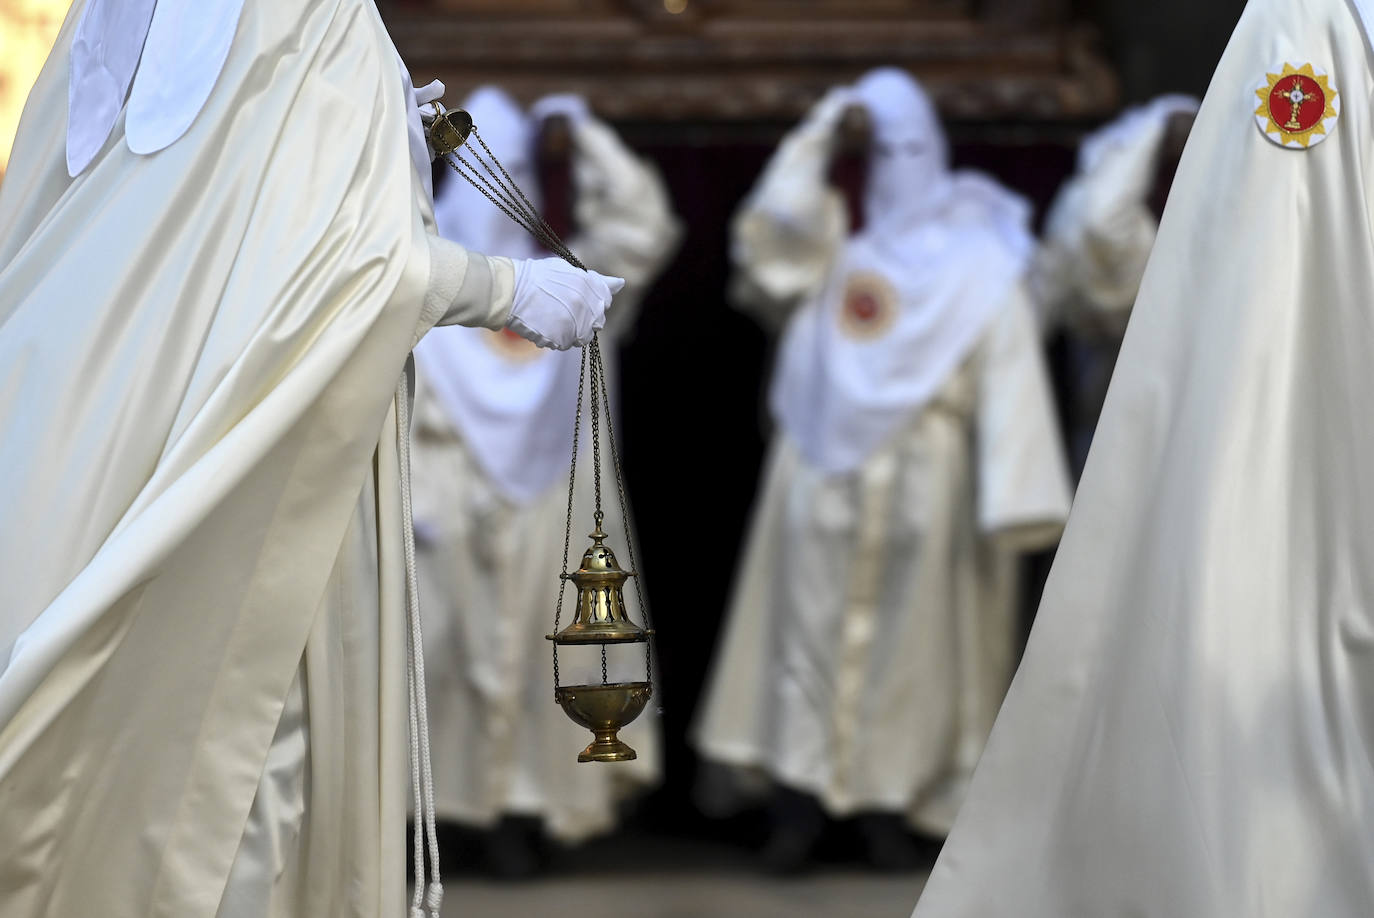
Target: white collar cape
(170, 51)
(1189, 729)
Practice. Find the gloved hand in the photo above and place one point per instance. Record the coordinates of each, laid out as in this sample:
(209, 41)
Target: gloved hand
(424, 95)
(557, 305)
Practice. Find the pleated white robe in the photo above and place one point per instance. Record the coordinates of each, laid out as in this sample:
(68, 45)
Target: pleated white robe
(200, 520)
(1190, 732)
(872, 631)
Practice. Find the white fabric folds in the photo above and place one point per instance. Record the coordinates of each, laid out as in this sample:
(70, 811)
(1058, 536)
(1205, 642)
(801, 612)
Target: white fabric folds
(1190, 731)
(200, 497)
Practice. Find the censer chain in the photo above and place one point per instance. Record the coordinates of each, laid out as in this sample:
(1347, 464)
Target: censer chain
(548, 231)
(600, 368)
(594, 359)
(507, 204)
(567, 520)
(516, 203)
(506, 195)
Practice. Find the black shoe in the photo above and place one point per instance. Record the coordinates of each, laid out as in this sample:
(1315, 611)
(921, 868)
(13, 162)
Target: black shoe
(798, 823)
(889, 844)
(512, 849)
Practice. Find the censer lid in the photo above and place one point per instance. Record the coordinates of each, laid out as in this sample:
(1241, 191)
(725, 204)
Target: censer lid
(600, 617)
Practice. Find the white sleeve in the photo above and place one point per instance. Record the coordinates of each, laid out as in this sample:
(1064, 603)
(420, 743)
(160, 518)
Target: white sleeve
(1117, 236)
(467, 288)
(1097, 242)
(1023, 482)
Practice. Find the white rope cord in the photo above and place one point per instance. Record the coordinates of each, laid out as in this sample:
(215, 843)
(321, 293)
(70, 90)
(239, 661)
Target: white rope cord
(418, 850)
(419, 743)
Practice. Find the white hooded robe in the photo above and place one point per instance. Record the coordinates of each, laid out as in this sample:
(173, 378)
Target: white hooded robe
(199, 485)
(872, 627)
(1190, 731)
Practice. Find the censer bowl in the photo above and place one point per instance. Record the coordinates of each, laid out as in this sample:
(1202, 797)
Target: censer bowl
(604, 709)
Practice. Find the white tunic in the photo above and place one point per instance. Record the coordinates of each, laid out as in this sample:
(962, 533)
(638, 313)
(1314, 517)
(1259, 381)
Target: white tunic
(872, 629)
(1190, 731)
(491, 538)
(199, 356)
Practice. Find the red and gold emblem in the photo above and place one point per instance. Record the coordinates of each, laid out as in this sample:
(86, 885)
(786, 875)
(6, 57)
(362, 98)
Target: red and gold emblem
(869, 306)
(1298, 107)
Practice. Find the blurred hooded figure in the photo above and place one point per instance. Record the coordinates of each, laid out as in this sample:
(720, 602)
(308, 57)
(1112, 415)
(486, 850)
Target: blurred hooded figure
(493, 441)
(1098, 237)
(871, 632)
(210, 282)
(1190, 730)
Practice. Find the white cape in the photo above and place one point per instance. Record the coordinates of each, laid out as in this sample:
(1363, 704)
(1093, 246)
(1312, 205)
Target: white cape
(199, 350)
(1190, 732)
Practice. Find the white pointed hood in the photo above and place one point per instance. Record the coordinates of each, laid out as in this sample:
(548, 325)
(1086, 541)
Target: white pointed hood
(909, 295)
(1190, 729)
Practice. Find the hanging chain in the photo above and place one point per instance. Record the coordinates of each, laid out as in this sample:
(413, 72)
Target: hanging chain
(599, 368)
(547, 230)
(595, 359)
(503, 191)
(508, 206)
(567, 520)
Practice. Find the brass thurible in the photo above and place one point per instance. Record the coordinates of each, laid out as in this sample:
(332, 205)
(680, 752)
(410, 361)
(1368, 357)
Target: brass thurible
(601, 619)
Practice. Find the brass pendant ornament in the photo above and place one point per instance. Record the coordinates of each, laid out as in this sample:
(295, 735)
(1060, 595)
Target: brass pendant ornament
(600, 619)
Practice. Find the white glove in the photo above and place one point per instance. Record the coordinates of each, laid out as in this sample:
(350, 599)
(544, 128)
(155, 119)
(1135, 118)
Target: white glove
(432, 91)
(557, 305)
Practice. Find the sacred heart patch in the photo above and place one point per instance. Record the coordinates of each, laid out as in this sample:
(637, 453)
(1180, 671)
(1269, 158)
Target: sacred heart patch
(869, 307)
(1298, 106)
